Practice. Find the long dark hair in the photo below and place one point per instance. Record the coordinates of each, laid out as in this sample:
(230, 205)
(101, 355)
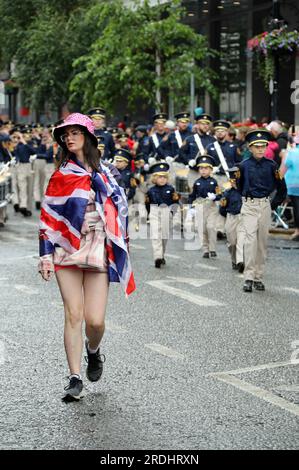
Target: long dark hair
(91, 154)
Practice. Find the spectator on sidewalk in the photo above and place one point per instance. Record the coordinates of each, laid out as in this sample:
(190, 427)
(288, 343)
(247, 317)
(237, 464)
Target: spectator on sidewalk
(290, 168)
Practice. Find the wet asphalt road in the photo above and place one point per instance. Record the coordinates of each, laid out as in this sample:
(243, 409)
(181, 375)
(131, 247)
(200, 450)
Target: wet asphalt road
(185, 322)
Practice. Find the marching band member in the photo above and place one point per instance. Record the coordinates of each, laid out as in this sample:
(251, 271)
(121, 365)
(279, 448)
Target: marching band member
(205, 192)
(230, 207)
(161, 197)
(259, 177)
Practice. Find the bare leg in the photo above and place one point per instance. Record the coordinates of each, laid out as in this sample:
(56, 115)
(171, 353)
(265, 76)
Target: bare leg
(96, 286)
(70, 283)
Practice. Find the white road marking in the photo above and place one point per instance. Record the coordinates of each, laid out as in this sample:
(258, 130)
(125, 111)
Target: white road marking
(4, 260)
(229, 378)
(186, 295)
(137, 247)
(27, 290)
(259, 392)
(115, 328)
(24, 222)
(291, 289)
(287, 388)
(205, 266)
(11, 236)
(172, 256)
(271, 365)
(164, 350)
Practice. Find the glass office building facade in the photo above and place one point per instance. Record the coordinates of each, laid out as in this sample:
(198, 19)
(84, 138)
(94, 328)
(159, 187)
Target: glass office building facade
(229, 24)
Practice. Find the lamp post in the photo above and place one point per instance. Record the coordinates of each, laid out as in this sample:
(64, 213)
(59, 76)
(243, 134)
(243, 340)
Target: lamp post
(275, 23)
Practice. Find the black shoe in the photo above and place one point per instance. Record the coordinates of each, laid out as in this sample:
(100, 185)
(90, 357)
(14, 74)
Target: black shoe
(16, 207)
(2, 224)
(234, 266)
(158, 263)
(258, 285)
(25, 212)
(94, 364)
(247, 287)
(163, 261)
(37, 205)
(74, 390)
(221, 236)
(240, 267)
(206, 255)
(213, 254)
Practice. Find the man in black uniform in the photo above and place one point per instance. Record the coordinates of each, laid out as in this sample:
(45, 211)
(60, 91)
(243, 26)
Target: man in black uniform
(98, 115)
(171, 146)
(222, 149)
(154, 149)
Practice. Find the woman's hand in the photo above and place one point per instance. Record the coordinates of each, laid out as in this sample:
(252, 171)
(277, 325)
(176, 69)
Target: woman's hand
(46, 275)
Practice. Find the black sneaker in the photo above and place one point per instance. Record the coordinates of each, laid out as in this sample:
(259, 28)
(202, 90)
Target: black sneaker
(74, 390)
(158, 263)
(163, 261)
(16, 208)
(240, 267)
(247, 287)
(206, 255)
(258, 285)
(213, 254)
(95, 363)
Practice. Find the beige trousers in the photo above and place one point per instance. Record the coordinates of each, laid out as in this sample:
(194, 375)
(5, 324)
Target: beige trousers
(256, 216)
(220, 224)
(159, 229)
(3, 214)
(15, 188)
(39, 167)
(25, 185)
(235, 234)
(207, 224)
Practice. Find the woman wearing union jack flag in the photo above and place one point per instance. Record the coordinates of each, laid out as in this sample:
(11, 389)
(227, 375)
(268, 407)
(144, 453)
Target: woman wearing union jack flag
(84, 240)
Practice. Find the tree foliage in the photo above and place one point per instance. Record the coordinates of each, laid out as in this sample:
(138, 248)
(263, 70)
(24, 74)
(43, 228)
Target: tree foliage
(43, 38)
(121, 62)
(97, 51)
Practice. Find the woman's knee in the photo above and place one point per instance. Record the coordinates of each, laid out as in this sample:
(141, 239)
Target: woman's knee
(74, 316)
(96, 324)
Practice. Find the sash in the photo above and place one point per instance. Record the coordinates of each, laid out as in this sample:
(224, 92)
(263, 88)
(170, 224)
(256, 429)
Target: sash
(199, 144)
(221, 158)
(155, 140)
(178, 138)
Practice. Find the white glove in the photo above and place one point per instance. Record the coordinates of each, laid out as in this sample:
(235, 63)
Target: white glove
(169, 160)
(192, 163)
(146, 167)
(212, 196)
(13, 161)
(151, 160)
(32, 158)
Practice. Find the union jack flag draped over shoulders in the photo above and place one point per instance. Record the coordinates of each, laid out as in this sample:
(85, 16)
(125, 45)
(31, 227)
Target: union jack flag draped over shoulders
(63, 211)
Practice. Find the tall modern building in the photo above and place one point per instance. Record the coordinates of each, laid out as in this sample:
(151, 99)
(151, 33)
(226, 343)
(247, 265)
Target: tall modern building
(229, 24)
